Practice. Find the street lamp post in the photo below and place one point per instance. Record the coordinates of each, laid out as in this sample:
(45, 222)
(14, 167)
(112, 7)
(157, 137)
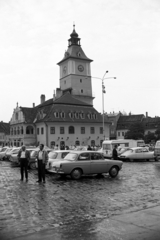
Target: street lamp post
(103, 91)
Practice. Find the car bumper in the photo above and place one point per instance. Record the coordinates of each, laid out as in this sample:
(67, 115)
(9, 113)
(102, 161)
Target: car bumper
(55, 170)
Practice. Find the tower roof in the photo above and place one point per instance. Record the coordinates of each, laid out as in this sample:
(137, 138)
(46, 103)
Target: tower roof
(74, 48)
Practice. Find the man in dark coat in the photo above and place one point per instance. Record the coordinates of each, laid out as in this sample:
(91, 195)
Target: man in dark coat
(115, 153)
(42, 158)
(23, 157)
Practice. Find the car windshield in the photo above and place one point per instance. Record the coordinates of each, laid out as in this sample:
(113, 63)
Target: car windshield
(129, 151)
(15, 150)
(71, 156)
(52, 155)
(3, 149)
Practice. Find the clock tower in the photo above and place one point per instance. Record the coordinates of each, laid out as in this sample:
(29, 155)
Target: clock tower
(75, 72)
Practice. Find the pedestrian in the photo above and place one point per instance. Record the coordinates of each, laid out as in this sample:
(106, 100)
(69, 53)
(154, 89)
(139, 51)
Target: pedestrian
(89, 148)
(56, 147)
(23, 158)
(115, 153)
(42, 157)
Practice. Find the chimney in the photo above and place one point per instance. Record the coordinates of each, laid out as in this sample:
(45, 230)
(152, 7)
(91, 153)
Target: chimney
(58, 92)
(54, 95)
(146, 114)
(33, 105)
(42, 98)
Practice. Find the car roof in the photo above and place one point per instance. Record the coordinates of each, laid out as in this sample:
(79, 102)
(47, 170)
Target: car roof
(134, 148)
(85, 151)
(57, 151)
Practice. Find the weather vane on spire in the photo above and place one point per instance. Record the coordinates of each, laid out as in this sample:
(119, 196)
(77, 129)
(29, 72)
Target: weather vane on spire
(73, 25)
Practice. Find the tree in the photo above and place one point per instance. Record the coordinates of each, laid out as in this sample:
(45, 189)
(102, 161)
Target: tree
(150, 137)
(157, 133)
(136, 131)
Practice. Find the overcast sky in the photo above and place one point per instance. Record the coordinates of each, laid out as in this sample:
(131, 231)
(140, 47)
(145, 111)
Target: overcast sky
(121, 36)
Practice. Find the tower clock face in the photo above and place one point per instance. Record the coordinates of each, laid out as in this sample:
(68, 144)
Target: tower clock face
(64, 69)
(80, 68)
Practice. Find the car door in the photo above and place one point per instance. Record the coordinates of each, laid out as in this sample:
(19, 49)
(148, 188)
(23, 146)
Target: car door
(98, 164)
(139, 154)
(147, 154)
(84, 162)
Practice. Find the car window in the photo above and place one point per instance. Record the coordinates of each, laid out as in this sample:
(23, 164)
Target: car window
(52, 155)
(33, 153)
(138, 151)
(84, 156)
(64, 154)
(96, 156)
(106, 146)
(71, 156)
(145, 150)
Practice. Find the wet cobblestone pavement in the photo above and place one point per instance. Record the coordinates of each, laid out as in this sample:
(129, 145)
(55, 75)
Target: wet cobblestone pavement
(28, 207)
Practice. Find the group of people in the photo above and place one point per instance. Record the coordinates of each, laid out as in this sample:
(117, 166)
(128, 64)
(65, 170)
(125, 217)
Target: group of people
(24, 157)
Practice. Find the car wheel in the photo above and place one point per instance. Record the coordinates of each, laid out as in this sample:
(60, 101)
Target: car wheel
(76, 174)
(156, 159)
(113, 172)
(130, 160)
(32, 166)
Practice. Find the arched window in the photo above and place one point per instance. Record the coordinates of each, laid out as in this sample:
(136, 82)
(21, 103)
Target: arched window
(71, 130)
(52, 144)
(21, 130)
(18, 132)
(92, 142)
(29, 130)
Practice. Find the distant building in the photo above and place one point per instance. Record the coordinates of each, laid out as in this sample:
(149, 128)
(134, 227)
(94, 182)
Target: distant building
(4, 133)
(124, 123)
(68, 118)
(113, 118)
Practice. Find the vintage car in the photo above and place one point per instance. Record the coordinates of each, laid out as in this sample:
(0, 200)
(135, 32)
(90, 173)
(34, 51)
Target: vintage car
(55, 156)
(78, 163)
(12, 151)
(137, 153)
(4, 152)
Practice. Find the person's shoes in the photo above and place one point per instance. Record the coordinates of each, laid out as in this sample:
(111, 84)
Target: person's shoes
(21, 179)
(26, 179)
(44, 181)
(39, 181)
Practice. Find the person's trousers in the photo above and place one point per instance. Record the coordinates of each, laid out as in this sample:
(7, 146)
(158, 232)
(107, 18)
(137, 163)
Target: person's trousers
(24, 167)
(41, 170)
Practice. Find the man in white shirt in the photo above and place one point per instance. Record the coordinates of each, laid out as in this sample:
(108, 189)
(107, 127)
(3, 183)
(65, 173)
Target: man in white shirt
(42, 158)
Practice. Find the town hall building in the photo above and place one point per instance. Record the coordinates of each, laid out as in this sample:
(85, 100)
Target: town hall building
(68, 118)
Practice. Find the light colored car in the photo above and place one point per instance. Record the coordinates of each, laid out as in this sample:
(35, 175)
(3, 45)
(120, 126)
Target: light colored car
(137, 153)
(55, 156)
(78, 163)
(3, 152)
(11, 151)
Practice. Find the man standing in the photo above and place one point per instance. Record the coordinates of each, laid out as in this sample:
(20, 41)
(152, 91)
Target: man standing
(23, 157)
(114, 153)
(42, 158)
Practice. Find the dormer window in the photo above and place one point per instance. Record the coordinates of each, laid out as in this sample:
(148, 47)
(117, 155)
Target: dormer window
(82, 115)
(77, 115)
(81, 90)
(79, 54)
(94, 116)
(56, 114)
(62, 115)
(89, 115)
(71, 115)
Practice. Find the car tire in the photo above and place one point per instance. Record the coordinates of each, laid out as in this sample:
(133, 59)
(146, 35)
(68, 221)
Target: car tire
(32, 166)
(156, 159)
(113, 172)
(76, 173)
(131, 160)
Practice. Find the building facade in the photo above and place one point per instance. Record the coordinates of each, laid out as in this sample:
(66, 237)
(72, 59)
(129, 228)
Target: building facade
(68, 118)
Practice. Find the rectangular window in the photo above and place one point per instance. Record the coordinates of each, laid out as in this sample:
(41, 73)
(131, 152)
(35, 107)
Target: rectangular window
(92, 130)
(101, 130)
(82, 130)
(118, 134)
(61, 130)
(37, 131)
(52, 130)
(123, 134)
(42, 131)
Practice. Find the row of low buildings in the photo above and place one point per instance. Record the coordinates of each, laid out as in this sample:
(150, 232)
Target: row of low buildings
(69, 117)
